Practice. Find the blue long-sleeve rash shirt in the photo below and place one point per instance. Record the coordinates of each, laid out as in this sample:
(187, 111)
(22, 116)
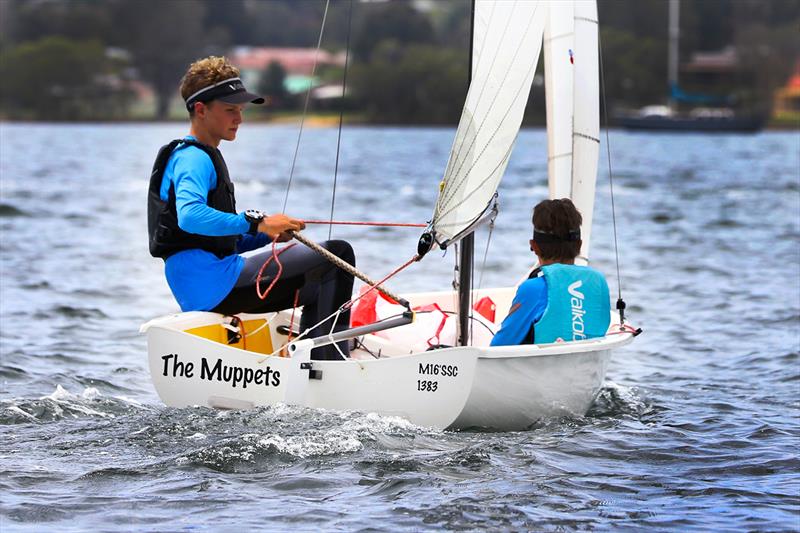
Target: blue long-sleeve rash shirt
(200, 280)
(527, 308)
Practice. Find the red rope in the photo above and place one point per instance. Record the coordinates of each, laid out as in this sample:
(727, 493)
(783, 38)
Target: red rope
(396, 271)
(625, 328)
(275, 254)
(351, 223)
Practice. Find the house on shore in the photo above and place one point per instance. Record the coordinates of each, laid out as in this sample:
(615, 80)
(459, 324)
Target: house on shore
(299, 65)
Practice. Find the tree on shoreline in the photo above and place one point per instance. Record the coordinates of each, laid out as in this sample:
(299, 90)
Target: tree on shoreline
(159, 38)
(61, 79)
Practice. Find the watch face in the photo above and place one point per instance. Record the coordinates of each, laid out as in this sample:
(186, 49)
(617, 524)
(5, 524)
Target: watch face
(253, 215)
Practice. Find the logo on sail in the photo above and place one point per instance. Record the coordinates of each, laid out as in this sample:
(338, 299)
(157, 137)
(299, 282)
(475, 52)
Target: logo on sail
(576, 301)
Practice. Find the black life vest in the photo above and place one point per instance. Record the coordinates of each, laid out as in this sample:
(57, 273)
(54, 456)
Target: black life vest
(166, 237)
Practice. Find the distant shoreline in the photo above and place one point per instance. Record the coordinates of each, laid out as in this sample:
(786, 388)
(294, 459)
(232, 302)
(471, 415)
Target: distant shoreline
(326, 120)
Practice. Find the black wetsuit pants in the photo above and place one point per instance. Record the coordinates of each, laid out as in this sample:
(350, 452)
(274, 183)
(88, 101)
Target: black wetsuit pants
(323, 289)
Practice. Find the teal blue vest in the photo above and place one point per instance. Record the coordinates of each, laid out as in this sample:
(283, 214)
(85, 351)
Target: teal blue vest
(578, 305)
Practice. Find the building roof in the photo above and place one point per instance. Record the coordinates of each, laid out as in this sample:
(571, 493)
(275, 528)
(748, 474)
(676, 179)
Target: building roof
(293, 60)
(725, 60)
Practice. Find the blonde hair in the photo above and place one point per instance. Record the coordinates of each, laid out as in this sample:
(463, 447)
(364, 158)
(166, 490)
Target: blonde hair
(205, 72)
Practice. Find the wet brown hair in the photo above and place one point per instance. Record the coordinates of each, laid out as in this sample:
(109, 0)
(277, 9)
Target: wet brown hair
(557, 217)
(205, 72)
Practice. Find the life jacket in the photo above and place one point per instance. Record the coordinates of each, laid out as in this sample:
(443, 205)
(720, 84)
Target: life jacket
(578, 305)
(166, 237)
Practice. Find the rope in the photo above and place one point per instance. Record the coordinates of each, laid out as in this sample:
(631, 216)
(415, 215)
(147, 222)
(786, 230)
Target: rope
(376, 285)
(275, 254)
(341, 113)
(262, 326)
(620, 302)
(347, 267)
(358, 223)
(345, 305)
(625, 328)
(305, 107)
(330, 333)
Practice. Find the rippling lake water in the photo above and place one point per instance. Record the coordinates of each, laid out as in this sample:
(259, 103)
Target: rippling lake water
(696, 428)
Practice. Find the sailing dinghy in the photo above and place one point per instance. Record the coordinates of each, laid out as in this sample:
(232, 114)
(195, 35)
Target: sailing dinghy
(207, 359)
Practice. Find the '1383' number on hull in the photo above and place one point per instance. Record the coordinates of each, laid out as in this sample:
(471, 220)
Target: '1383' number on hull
(427, 386)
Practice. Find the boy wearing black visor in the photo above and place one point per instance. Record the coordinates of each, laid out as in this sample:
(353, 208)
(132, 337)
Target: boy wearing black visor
(560, 301)
(194, 225)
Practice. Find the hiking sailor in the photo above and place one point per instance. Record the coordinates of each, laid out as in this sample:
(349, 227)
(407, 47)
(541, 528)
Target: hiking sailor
(560, 301)
(194, 226)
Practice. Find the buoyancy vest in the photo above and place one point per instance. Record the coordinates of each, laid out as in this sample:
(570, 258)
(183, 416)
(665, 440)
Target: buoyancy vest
(166, 237)
(578, 305)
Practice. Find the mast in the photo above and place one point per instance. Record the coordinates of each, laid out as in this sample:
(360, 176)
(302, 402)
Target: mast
(672, 57)
(505, 42)
(467, 248)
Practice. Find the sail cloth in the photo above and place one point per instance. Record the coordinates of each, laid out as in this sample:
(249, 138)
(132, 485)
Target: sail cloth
(572, 91)
(559, 49)
(586, 122)
(506, 44)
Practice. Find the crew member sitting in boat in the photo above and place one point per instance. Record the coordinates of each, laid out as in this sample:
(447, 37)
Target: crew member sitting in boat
(560, 301)
(194, 226)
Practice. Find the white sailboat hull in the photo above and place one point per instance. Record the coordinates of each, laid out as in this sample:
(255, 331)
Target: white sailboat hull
(504, 388)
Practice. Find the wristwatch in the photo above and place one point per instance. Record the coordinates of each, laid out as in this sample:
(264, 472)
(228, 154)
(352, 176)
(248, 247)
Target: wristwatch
(254, 217)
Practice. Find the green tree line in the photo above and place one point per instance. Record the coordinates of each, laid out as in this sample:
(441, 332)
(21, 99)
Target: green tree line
(75, 59)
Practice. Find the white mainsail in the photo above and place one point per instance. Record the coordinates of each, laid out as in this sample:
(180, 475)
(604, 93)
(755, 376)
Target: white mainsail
(506, 44)
(572, 93)
(586, 121)
(559, 45)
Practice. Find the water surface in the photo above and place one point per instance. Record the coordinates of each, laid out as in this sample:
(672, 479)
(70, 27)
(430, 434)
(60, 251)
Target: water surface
(697, 426)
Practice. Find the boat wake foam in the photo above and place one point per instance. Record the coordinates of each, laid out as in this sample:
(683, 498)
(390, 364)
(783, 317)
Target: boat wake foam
(62, 404)
(315, 433)
(619, 401)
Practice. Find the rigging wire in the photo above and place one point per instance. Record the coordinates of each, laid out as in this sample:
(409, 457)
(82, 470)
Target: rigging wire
(620, 301)
(305, 106)
(341, 113)
(486, 253)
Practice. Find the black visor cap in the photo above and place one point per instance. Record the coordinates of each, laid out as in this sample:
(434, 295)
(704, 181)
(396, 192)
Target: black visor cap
(230, 91)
